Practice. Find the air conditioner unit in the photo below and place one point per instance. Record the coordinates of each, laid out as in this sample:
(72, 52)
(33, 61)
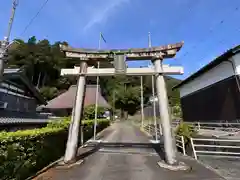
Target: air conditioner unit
(3, 105)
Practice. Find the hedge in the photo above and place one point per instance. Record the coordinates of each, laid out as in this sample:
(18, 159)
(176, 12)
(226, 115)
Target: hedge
(23, 153)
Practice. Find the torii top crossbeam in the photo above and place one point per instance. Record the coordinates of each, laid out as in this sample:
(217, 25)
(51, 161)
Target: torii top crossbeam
(167, 51)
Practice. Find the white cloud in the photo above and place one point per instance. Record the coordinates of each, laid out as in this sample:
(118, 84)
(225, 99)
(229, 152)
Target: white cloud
(73, 19)
(103, 12)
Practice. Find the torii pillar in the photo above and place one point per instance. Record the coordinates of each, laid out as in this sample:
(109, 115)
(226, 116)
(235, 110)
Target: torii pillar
(72, 143)
(165, 119)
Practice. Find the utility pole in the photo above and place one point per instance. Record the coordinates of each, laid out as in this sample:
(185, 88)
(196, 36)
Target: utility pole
(5, 42)
(142, 112)
(153, 94)
(96, 96)
(113, 113)
(149, 40)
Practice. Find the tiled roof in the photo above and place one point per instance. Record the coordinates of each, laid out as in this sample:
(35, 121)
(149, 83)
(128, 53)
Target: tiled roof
(66, 99)
(6, 120)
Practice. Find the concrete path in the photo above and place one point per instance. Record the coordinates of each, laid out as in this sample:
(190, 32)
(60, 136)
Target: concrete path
(126, 154)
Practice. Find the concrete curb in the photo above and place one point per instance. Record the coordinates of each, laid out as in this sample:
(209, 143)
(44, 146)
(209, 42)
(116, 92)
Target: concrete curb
(45, 168)
(145, 132)
(61, 159)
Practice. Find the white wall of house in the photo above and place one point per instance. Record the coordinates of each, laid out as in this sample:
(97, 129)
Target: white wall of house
(214, 75)
(236, 60)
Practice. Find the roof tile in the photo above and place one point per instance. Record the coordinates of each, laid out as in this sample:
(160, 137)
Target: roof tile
(66, 99)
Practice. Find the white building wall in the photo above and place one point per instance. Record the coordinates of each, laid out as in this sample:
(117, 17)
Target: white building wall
(236, 60)
(218, 73)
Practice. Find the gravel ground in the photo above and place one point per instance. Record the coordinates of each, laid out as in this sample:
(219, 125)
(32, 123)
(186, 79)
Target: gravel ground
(228, 168)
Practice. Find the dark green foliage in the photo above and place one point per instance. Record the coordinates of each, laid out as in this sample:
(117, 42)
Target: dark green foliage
(41, 60)
(63, 123)
(26, 152)
(124, 92)
(88, 127)
(49, 92)
(23, 153)
(32, 40)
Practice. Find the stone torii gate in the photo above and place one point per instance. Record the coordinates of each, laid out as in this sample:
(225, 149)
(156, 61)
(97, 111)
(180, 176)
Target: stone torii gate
(89, 57)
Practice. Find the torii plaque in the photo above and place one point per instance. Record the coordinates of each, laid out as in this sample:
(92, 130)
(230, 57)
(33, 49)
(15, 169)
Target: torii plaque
(89, 57)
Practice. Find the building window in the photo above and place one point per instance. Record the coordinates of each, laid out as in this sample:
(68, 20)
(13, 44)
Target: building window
(3, 105)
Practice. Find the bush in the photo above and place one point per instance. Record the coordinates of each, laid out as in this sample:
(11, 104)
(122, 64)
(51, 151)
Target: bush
(185, 130)
(88, 127)
(63, 123)
(23, 153)
(89, 112)
(177, 111)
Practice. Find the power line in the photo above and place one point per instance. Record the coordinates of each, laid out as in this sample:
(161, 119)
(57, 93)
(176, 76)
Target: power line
(4, 45)
(222, 41)
(189, 10)
(211, 30)
(34, 17)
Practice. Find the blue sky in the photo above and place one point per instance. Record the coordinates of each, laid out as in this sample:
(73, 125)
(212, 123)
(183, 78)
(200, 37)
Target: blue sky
(208, 27)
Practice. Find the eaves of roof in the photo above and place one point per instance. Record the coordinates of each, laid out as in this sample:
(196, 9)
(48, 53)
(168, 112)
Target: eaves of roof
(19, 73)
(6, 120)
(225, 56)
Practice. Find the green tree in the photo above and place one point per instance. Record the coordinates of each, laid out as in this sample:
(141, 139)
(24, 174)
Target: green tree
(49, 92)
(41, 61)
(89, 112)
(122, 93)
(32, 40)
(128, 100)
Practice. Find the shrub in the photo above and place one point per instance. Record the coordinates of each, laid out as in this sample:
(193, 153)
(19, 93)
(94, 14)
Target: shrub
(23, 153)
(177, 111)
(62, 123)
(89, 112)
(185, 130)
(88, 127)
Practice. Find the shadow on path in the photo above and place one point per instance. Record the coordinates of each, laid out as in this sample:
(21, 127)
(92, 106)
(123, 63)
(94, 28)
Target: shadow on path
(87, 151)
(121, 144)
(158, 147)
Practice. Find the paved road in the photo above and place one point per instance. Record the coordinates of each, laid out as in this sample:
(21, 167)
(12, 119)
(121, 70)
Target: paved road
(136, 161)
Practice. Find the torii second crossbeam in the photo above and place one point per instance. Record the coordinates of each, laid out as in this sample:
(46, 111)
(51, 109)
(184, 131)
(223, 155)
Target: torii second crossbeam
(91, 71)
